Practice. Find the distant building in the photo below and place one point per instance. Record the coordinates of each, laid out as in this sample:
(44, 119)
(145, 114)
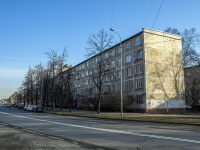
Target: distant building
(192, 85)
(153, 75)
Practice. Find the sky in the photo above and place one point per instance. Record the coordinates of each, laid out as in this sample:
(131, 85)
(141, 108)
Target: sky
(30, 28)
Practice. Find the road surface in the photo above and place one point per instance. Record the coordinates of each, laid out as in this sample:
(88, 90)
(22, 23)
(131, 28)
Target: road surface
(104, 134)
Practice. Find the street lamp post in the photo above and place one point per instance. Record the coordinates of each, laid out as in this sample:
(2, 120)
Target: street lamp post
(121, 70)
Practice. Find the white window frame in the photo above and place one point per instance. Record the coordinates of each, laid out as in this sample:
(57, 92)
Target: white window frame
(107, 77)
(128, 58)
(112, 76)
(129, 71)
(138, 41)
(86, 73)
(113, 64)
(90, 72)
(106, 55)
(112, 53)
(128, 45)
(139, 54)
(82, 75)
(119, 50)
(86, 82)
(139, 99)
(129, 85)
(119, 74)
(138, 69)
(138, 84)
(87, 64)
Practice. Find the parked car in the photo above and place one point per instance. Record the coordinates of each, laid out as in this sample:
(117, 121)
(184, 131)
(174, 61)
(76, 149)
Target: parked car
(8, 105)
(21, 106)
(25, 107)
(16, 105)
(37, 108)
(29, 107)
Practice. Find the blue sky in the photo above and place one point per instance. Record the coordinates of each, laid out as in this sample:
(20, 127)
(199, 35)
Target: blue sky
(29, 28)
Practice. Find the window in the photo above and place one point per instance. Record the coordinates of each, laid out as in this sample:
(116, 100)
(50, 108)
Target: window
(138, 84)
(106, 55)
(90, 81)
(113, 64)
(119, 62)
(76, 68)
(112, 52)
(86, 73)
(79, 67)
(97, 60)
(128, 58)
(95, 70)
(113, 88)
(139, 99)
(128, 71)
(138, 41)
(80, 83)
(82, 74)
(138, 69)
(106, 77)
(128, 45)
(139, 54)
(119, 50)
(112, 76)
(106, 89)
(129, 85)
(86, 64)
(119, 74)
(86, 82)
(106, 67)
(90, 72)
(91, 61)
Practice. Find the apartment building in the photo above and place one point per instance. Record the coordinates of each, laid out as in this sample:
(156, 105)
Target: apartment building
(192, 86)
(152, 74)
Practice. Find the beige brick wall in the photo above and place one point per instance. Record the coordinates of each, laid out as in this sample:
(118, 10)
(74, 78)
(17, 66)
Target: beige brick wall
(163, 68)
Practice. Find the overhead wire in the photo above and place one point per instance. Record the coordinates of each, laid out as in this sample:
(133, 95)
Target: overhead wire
(157, 14)
(148, 12)
(18, 60)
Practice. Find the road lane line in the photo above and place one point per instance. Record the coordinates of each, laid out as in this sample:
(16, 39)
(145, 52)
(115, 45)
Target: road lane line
(110, 130)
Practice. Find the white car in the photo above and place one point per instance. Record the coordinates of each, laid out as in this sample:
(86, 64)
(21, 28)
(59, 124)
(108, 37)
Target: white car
(29, 107)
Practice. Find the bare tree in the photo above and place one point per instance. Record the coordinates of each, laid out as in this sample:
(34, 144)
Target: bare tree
(97, 44)
(55, 67)
(192, 83)
(28, 85)
(191, 61)
(69, 88)
(190, 44)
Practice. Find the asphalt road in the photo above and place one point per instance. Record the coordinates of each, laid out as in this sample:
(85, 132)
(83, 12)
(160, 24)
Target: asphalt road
(106, 134)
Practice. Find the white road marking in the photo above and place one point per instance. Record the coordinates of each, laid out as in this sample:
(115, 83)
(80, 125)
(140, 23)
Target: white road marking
(75, 143)
(55, 138)
(109, 130)
(30, 131)
(40, 134)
